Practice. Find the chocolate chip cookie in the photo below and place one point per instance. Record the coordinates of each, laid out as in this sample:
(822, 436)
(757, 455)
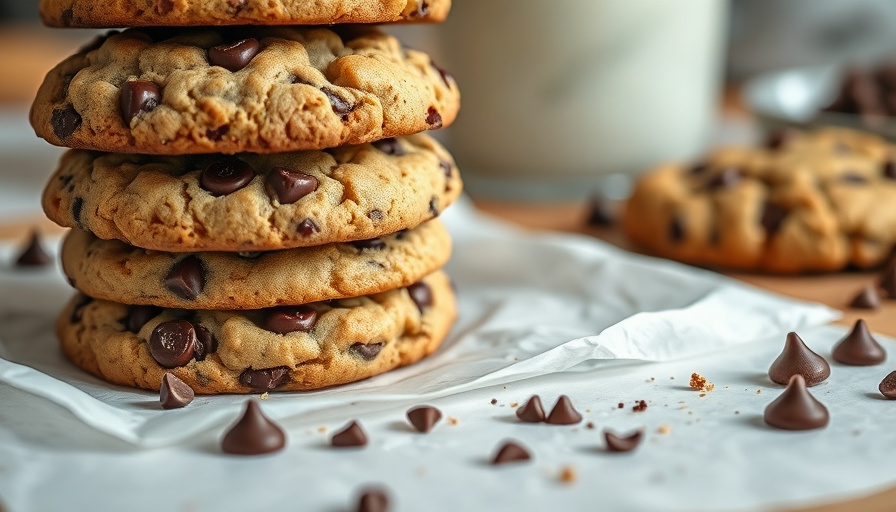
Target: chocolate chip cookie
(147, 13)
(114, 271)
(806, 202)
(287, 348)
(254, 202)
(230, 90)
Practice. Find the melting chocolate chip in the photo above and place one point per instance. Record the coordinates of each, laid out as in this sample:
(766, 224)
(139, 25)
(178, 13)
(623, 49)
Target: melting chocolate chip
(796, 408)
(727, 177)
(253, 434)
(772, 217)
(174, 392)
(676, 230)
(367, 351)
(173, 343)
(390, 146)
(887, 386)
(307, 228)
(859, 348)
(65, 121)
(138, 316)
(433, 118)
(424, 418)
(511, 452)
(446, 76)
(78, 310)
(798, 359)
(138, 96)
(205, 342)
(376, 244)
(421, 294)
(373, 500)
(34, 254)
(600, 212)
(77, 206)
(350, 436)
(340, 106)
(563, 413)
(226, 176)
(234, 57)
(621, 444)
(868, 298)
(266, 379)
(532, 412)
(287, 319)
(187, 278)
(889, 169)
(288, 186)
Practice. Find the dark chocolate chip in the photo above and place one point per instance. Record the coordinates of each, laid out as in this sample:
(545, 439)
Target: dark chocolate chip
(422, 10)
(796, 408)
(65, 121)
(138, 316)
(205, 342)
(446, 167)
(511, 452)
(621, 444)
(868, 298)
(887, 386)
(434, 206)
(265, 379)
(187, 278)
(676, 230)
(373, 500)
(226, 176)
(798, 359)
(563, 413)
(174, 392)
(859, 348)
(77, 206)
(376, 244)
(218, 133)
(350, 436)
(173, 343)
(367, 351)
(138, 96)
(235, 56)
(433, 118)
(389, 146)
(78, 310)
(600, 212)
(421, 294)
(253, 434)
(727, 177)
(67, 17)
(288, 186)
(33, 255)
(307, 228)
(532, 412)
(446, 76)
(772, 217)
(424, 418)
(340, 106)
(287, 319)
(889, 169)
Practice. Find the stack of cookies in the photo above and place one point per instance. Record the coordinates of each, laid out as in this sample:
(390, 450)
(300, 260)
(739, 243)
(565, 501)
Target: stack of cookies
(254, 204)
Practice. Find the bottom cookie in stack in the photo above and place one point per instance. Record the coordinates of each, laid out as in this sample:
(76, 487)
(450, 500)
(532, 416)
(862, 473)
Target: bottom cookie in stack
(286, 348)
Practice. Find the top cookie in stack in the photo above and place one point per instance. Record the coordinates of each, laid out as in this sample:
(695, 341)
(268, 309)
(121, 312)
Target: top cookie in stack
(292, 152)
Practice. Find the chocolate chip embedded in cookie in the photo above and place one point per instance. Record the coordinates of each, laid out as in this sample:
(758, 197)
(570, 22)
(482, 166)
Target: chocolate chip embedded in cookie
(256, 351)
(133, 13)
(252, 89)
(250, 203)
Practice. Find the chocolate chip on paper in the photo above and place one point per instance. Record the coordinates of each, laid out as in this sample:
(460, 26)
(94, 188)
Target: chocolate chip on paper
(253, 434)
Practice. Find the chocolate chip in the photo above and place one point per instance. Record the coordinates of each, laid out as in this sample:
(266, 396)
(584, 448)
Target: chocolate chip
(375, 244)
(433, 118)
(421, 294)
(78, 310)
(174, 392)
(287, 319)
(367, 351)
(265, 379)
(33, 255)
(350, 436)
(796, 408)
(187, 278)
(172, 343)
(253, 434)
(77, 206)
(163, 7)
(237, 5)
(887, 386)
(726, 178)
(138, 316)
(434, 207)
(65, 121)
(798, 359)
(859, 348)
(446, 76)
(676, 230)
(373, 500)
(307, 228)
(205, 342)
(389, 146)
(234, 57)
(424, 418)
(138, 96)
(532, 412)
(421, 11)
(340, 106)
(868, 298)
(563, 413)
(772, 217)
(288, 186)
(446, 168)
(67, 17)
(218, 133)
(511, 452)
(889, 169)
(226, 176)
(621, 444)
(600, 212)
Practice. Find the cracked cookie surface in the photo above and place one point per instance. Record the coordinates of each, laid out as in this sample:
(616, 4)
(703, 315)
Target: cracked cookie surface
(324, 344)
(163, 203)
(147, 13)
(806, 202)
(241, 89)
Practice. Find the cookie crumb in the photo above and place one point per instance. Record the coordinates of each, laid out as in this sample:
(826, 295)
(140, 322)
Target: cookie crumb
(590, 425)
(702, 395)
(758, 391)
(514, 404)
(641, 406)
(265, 395)
(321, 429)
(452, 421)
(664, 429)
(700, 383)
(568, 475)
